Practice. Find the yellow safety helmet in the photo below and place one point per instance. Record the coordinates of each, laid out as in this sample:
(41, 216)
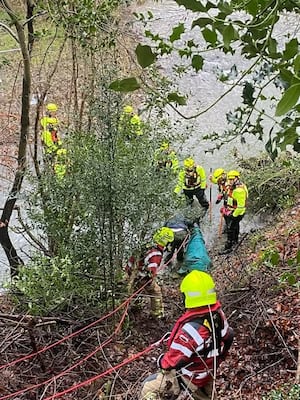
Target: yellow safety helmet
(233, 174)
(199, 289)
(51, 107)
(164, 145)
(189, 163)
(128, 109)
(163, 236)
(217, 174)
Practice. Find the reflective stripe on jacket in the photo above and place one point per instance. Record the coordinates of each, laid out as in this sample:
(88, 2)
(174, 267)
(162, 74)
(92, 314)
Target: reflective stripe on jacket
(186, 181)
(191, 345)
(149, 262)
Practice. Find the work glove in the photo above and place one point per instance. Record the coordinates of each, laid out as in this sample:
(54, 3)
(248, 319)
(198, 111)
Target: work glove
(225, 211)
(219, 198)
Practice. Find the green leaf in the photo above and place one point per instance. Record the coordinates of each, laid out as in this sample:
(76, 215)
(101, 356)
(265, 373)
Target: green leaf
(252, 7)
(228, 35)
(125, 85)
(197, 62)
(209, 36)
(275, 258)
(291, 49)
(272, 46)
(288, 100)
(175, 98)
(289, 137)
(177, 32)
(144, 55)
(248, 94)
(193, 5)
(202, 22)
(297, 64)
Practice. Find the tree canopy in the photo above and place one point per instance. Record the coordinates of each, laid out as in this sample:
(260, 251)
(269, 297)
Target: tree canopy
(236, 27)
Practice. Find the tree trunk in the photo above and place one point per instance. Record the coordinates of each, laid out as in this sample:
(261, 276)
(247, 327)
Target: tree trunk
(13, 259)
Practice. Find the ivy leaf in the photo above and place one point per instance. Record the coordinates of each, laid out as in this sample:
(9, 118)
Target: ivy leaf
(177, 32)
(144, 55)
(193, 5)
(288, 100)
(197, 62)
(228, 35)
(202, 22)
(175, 98)
(125, 85)
(209, 36)
(248, 94)
(297, 64)
(289, 137)
(291, 49)
(252, 7)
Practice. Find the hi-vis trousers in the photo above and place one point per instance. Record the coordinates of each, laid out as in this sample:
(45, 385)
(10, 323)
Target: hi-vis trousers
(165, 385)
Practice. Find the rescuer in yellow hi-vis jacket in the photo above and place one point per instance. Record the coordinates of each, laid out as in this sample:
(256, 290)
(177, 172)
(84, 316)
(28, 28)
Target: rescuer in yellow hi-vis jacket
(237, 195)
(49, 136)
(192, 181)
(166, 158)
(130, 124)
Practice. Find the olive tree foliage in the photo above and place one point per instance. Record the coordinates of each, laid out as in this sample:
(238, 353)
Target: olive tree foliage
(235, 27)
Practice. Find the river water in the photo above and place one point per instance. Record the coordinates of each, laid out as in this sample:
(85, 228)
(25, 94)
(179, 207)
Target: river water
(203, 89)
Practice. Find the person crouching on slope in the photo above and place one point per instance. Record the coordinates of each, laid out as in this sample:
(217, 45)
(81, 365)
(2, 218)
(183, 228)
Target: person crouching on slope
(144, 267)
(198, 343)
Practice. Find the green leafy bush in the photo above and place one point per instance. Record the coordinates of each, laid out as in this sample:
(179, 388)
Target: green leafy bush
(287, 392)
(49, 285)
(273, 185)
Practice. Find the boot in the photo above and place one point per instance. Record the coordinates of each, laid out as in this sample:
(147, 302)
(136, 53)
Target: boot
(227, 248)
(157, 308)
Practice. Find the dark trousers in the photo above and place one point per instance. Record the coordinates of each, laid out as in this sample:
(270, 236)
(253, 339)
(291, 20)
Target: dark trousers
(199, 193)
(233, 229)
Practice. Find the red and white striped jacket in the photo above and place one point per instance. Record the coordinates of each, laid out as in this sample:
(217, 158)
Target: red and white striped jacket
(191, 347)
(147, 263)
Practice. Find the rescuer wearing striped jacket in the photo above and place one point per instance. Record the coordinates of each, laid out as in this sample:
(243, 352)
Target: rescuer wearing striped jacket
(144, 266)
(198, 343)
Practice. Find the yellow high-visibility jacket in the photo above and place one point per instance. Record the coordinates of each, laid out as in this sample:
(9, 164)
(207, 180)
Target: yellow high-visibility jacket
(191, 180)
(130, 125)
(49, 135)
(237, 199)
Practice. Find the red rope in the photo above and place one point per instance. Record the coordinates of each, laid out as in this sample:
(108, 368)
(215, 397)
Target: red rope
(108, 340)
(107, 372)
(28, 356)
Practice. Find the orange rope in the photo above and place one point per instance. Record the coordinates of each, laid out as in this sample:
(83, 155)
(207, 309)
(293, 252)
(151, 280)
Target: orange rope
(220, 226)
